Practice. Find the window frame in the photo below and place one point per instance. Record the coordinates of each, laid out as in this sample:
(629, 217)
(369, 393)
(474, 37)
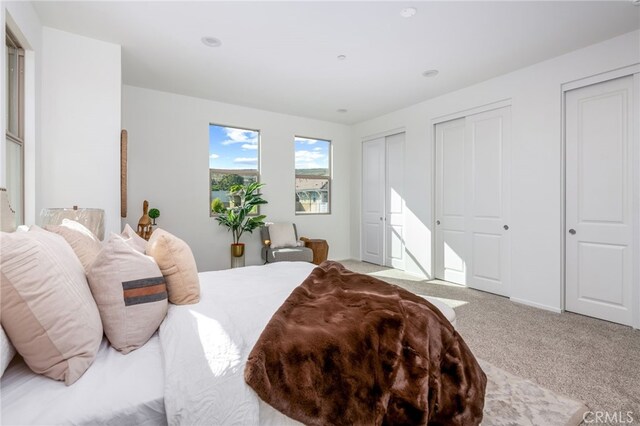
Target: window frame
(246, 172)
(12, 42)
(328, 177)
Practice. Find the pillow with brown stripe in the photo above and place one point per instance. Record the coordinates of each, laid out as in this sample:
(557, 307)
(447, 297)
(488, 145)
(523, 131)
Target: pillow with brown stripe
(47, 308)
(130, 292)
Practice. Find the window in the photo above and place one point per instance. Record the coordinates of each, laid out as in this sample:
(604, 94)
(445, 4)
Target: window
(233, 160)
(15, 126)
(313, 176)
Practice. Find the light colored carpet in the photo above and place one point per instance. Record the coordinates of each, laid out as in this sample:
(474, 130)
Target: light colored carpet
(586, 359)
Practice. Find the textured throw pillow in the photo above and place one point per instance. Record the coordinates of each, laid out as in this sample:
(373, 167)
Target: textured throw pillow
(134, 240)
(84, 244)
(178, 266)
(282, 235)
(7, 351)
(130, 293)
(47, 308)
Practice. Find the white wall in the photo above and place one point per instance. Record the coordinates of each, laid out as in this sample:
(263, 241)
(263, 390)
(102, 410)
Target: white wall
(80, 143)
(25, 24)
(535, 94)
(169, 166)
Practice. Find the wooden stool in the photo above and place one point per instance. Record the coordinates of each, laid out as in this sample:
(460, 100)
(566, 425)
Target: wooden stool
(319, 247)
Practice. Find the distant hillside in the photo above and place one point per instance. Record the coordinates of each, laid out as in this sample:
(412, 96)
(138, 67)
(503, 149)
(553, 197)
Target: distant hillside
(312, 172)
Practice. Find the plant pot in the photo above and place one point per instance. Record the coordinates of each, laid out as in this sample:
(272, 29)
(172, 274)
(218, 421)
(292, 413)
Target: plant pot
(237, 250)
(237, 255)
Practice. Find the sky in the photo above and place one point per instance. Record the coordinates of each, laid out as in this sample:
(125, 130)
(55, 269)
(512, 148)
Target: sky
(232, 148)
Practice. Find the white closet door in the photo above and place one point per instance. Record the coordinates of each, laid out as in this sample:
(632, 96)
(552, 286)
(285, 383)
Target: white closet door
(450, 202)
(599, 167)
(487, 193)
(373, 201)
(394, 201)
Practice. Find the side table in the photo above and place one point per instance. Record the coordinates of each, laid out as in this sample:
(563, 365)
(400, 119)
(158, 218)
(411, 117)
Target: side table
(319, 247)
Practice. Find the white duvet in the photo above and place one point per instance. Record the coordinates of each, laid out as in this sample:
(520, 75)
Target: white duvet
(206, 345)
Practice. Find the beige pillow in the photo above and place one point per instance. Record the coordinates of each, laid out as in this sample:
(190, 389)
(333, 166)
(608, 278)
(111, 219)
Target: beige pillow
(84, 244)
(130, 293)
(47, 308)
(135, 240)
(282, 235)
(178, 266)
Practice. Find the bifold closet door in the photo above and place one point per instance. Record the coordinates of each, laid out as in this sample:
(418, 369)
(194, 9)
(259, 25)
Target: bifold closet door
(383, 201)
(394, 202)
(599, 200)
(373, 201)
(450, 234)
(472, 201)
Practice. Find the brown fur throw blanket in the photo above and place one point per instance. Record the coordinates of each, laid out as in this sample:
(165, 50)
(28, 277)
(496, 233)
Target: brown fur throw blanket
(349, 349)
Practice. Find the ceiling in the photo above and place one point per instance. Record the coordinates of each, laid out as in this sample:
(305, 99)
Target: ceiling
(282, 56)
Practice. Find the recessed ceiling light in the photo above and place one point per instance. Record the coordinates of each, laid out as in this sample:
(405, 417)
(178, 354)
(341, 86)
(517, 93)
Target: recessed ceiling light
(636, 2)
(408, 12)
(342, 110)
(430, 73)
(211, 41)
(342, 57)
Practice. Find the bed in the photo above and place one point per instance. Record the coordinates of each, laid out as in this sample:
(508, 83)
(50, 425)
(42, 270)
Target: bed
(200, 346)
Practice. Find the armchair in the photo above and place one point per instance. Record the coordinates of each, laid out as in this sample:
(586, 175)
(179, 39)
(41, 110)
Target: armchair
(280, 243)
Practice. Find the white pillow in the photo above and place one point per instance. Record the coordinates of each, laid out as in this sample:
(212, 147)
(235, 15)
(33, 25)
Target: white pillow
(7, 351)
(134, 240)
(282, 235)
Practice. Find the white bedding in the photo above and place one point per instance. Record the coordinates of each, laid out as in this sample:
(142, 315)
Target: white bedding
(206, 345)
(116, 390)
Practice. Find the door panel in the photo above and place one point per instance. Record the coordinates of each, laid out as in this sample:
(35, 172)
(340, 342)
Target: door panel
(394, 217)
(487, 144)
(373, 202)
(599, 210)
(450, 202)
(487, 220)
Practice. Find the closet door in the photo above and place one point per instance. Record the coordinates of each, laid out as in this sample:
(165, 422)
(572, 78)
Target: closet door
(373, 201)
(394, 201)
(599, 200)
(487, 194)
(450, 202)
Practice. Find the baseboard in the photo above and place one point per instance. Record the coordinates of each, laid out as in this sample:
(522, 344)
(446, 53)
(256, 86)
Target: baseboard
(536, 305)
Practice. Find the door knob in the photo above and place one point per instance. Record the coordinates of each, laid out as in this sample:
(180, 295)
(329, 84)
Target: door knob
(572, 231)
(437, 222)
(381, 218)
(506, 227)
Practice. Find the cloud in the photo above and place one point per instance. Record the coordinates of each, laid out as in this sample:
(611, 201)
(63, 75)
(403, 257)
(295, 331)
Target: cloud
(246, 160)
(317, 148)
(307, 141)
(249, 146)
(309, 159)
(240, 136)
(214, 156)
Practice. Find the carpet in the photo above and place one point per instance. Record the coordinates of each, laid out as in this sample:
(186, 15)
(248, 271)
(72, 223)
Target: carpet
(511, 400)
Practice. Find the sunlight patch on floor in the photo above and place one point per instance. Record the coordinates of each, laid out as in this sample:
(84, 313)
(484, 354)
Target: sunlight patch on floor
(395, 274)
(445, 283)
(453, 303)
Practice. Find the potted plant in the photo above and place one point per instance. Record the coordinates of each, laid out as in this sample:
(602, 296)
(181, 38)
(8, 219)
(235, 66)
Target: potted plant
(240, 216)
(154, 214)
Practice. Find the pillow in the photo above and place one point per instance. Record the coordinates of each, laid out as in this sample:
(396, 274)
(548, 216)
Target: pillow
(47, 308)
(85, 245)
(135, 240)
(7, 351)
(130, 293)
(177, 265)
(282, 235)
